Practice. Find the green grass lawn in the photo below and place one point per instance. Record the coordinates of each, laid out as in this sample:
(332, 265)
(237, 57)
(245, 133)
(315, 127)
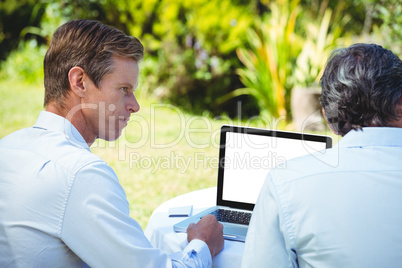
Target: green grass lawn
(162, 153)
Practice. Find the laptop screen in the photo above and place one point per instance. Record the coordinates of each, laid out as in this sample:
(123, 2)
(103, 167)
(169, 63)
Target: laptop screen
(247, 154)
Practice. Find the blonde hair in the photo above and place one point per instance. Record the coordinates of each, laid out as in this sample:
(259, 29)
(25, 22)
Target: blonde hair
(89, 45)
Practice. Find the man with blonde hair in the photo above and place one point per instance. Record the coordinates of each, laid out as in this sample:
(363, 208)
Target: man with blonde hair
(62, 206)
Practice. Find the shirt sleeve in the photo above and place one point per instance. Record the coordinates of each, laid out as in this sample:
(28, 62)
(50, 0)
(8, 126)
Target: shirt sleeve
(97, 227)
(265, 244)
(196, 254)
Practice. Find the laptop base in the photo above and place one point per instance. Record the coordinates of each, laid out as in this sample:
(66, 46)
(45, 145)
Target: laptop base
(236, 232)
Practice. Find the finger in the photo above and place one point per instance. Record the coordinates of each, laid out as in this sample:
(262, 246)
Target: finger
(210, 217)
(191, 225)
(220, 226)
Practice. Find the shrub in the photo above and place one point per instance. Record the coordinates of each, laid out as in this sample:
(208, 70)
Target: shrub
(25, 63)
(269, 60)
(190, 45)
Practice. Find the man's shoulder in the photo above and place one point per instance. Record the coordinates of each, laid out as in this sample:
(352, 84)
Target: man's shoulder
(305, 166)
(14, 136)
(48, 145)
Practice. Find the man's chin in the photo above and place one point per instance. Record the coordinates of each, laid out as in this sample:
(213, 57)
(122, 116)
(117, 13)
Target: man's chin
(111, 136)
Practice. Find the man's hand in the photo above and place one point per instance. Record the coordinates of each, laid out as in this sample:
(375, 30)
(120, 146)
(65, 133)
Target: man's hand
(209, 230)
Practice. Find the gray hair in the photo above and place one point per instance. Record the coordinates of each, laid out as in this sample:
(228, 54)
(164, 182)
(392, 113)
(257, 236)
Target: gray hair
(361, 87)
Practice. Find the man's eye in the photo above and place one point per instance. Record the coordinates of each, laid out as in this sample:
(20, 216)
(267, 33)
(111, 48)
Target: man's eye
(125, 89)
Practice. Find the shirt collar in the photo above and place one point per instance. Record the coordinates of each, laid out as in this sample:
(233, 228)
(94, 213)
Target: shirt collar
(54, 122)
(373, 136)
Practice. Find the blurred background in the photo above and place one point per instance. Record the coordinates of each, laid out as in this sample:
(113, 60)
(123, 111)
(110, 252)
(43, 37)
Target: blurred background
(209, 62)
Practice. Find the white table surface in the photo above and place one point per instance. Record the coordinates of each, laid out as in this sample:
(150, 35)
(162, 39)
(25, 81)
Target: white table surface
(161, 234)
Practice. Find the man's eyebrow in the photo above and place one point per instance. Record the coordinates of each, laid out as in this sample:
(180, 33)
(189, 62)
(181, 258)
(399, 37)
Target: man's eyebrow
(124, 84)
(129, 85)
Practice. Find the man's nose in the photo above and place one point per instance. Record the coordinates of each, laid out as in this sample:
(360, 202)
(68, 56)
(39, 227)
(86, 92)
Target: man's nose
(132, 105)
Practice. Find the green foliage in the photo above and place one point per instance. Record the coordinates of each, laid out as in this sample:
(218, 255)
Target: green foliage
(219, 25)
(321, 38)
(14, 17)
(389, 32)
(36, 23)
(191, 57)
(58, 12)
(289, 47)
(269, 60)
(190, 47)
(24, 64)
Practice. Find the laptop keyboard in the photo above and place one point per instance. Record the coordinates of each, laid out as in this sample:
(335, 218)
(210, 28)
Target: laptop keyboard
(232, 216)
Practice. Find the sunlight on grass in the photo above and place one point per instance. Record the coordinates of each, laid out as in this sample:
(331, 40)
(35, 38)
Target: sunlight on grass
(19, 106)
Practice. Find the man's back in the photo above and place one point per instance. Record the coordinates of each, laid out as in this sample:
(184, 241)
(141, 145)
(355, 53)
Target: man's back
(62, 206)
(340, 209)
(36, 173)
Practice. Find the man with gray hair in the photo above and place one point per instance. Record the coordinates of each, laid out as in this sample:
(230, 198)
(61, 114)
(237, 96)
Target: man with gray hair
(61, 205)
(340, 208)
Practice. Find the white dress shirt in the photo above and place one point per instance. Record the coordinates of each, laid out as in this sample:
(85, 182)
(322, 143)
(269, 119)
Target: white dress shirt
(341, 208)
(62, 206)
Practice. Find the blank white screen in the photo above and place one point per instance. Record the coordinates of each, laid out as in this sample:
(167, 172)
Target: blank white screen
(248, 158)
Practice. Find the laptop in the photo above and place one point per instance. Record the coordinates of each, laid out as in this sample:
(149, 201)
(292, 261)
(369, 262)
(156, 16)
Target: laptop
(245, 157)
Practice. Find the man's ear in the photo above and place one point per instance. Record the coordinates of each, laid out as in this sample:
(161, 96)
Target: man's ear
(398, 108)
(76, 79)
(326, 120)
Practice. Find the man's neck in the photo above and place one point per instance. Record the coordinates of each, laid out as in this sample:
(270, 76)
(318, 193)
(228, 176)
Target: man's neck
(75, 116)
